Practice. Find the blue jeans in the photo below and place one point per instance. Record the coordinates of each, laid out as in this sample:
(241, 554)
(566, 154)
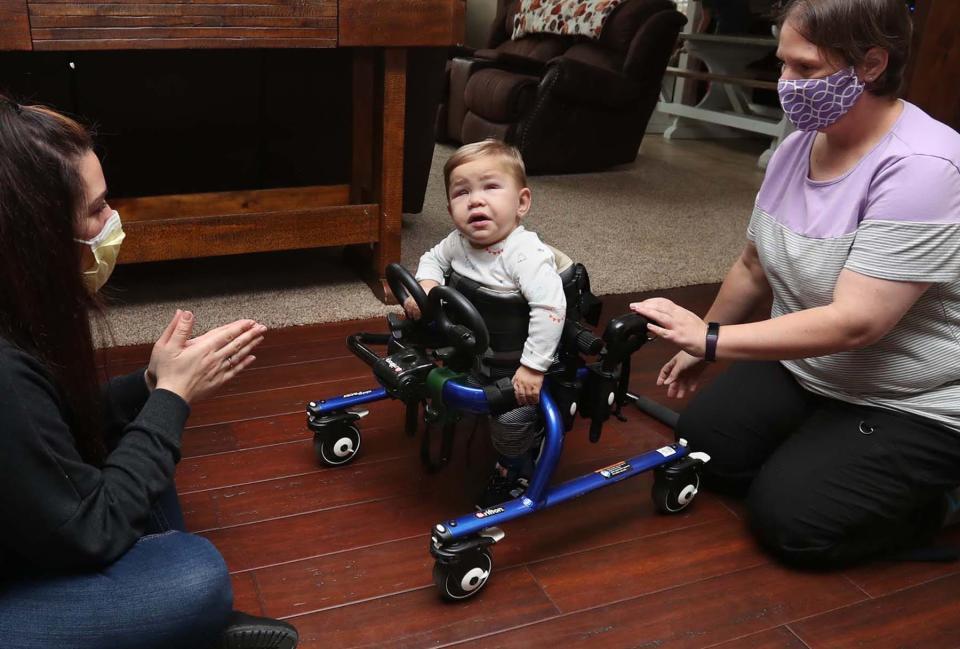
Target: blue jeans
(171, 589)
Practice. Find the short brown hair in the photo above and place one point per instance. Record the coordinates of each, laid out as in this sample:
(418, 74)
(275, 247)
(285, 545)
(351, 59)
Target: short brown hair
(851, 28)
(489, 147)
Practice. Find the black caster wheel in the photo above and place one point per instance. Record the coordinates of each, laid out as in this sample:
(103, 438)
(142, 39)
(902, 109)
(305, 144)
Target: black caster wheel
(465, 578)
(671, 496)
(338, 446)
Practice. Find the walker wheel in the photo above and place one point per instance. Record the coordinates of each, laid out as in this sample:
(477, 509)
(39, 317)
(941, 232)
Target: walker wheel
(673, 496)
(337, 446)
(465, 578)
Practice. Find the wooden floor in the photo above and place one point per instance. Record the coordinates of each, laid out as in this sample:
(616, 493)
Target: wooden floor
(342, 553)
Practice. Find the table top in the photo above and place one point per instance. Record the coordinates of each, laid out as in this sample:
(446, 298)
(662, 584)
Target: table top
(193, 24)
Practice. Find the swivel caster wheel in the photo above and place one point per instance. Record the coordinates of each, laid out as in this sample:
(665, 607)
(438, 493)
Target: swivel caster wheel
(464, 578)
(673, 495)
(672, 498)
(337, 446)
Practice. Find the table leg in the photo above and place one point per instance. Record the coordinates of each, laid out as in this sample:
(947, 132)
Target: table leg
(379, 111)
(389, 178)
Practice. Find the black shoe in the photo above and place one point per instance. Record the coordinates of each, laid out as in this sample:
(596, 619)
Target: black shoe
(502, 488)
(251, 632)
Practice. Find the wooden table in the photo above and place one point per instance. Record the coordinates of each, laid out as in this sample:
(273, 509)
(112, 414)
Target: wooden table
(367, 211)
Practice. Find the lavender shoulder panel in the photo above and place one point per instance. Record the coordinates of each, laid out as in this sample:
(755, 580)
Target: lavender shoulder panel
(884, 178)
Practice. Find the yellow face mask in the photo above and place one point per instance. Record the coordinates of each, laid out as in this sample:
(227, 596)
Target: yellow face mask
(105, 248)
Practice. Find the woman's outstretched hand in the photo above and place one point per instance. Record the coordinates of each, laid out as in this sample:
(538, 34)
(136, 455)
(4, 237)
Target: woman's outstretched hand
(681, 374)
(196, 367)
(684, 329)
(674, 324)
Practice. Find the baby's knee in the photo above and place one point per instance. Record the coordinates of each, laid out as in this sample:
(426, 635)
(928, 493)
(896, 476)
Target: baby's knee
(516, 432)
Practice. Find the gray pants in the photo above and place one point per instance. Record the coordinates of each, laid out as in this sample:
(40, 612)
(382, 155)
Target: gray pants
(516, 431)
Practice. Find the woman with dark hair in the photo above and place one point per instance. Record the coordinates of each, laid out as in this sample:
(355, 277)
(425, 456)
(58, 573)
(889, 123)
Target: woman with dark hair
(840, 419)
(93, 553)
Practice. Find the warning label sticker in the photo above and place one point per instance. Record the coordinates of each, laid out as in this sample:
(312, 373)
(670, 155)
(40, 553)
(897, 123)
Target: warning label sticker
(613, 469)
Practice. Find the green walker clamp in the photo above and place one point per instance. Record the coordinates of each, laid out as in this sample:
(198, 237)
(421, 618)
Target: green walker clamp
(435, 410)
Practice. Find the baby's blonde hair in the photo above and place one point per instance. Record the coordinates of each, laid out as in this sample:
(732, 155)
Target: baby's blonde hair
(489, 147)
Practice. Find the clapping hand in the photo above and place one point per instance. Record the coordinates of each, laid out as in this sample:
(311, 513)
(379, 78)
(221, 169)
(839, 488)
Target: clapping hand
(196, 367)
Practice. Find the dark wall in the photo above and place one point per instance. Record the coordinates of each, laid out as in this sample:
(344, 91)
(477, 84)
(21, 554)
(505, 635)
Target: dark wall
(199, 121)
(935, 61)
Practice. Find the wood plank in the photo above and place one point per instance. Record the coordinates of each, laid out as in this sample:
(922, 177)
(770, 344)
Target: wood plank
(282, 401)
(319, 533)
(917, 618)
(235, 489)
(14, 25)
(401, 23)
(879, 578)
(126, 21)
(89, 44)
(196, 33)
(186, 206)
(418, 619)
(388, 169)
(209, 236)
(273, 463)
(692, 615)
(161, 9)
(778, 638)
(577, 526)
(207, 437)
(315, 489)
(280, 346)
(640, 567)
(270, 358)
(336, 368)
(289, 5)
(361, 176)
(222, 438)
(282, 540)
(245, 595)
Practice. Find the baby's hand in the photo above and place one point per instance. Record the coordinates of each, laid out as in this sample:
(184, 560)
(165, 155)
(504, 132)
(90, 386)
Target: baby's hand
(411, 308)
(526, 386)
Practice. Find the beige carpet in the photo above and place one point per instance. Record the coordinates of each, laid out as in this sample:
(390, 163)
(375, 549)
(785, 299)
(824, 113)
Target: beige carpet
(675, 217)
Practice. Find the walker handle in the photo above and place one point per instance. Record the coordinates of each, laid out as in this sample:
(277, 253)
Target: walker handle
(500, 396)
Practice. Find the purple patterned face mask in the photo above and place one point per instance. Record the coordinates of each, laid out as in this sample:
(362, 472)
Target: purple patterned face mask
(814, 104)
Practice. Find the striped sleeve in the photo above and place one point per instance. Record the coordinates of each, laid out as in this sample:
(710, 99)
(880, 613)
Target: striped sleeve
(910, 230)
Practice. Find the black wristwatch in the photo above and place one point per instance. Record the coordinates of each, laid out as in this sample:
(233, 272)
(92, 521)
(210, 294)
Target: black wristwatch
(710, 350)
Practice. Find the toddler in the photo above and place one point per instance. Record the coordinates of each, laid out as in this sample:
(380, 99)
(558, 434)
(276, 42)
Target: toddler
(487, 197)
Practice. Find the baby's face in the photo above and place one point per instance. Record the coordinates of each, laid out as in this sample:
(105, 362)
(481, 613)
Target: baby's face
(485, 201)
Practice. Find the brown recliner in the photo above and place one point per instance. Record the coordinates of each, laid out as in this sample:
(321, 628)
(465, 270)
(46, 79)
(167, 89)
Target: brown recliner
(569, 104)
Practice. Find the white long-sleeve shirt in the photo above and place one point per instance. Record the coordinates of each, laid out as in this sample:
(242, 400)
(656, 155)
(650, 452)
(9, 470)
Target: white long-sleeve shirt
(521, 262)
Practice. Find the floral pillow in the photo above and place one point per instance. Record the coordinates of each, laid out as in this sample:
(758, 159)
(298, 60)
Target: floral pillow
(567, 17)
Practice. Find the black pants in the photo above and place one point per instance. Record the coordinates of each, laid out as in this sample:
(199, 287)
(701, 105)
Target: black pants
(827, 482)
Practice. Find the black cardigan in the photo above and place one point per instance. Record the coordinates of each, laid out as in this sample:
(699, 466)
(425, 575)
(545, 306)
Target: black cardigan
(60, 513)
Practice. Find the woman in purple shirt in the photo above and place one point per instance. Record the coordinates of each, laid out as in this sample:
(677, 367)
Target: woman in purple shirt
(840, 417)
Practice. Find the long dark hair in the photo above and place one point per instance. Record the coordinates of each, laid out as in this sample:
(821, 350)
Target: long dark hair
(851, 28)
(44, 304)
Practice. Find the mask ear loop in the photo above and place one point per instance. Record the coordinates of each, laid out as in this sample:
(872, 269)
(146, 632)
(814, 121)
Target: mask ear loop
(100, 236)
